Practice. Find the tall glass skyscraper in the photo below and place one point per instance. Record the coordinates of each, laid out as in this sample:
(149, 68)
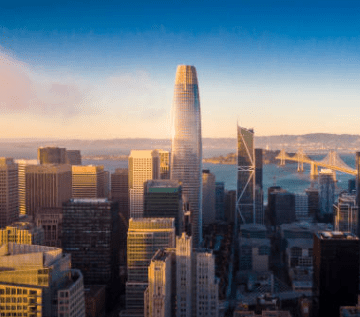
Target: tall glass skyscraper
(186, 146)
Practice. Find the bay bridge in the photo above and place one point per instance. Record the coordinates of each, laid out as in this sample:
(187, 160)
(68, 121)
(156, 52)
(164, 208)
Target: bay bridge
(331, 161)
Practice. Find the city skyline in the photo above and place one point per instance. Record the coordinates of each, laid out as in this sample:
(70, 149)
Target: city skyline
(77, 70)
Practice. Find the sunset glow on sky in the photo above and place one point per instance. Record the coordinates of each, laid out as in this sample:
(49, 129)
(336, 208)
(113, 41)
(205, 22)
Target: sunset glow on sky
(92, 70)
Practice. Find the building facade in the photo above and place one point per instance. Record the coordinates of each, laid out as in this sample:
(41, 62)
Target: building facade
(50, 219)
(186, 145)
(51, 155)
(208, 199)
(326, 193)
(22, 232)
(9, 200)
(220, 201)
(88, 181)
(144, 165)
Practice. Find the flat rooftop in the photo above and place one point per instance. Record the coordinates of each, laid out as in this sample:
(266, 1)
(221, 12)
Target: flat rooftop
(336, 235)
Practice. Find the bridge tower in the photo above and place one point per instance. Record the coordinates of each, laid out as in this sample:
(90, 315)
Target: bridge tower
(314, 169)
(300, 156)
(282, 157)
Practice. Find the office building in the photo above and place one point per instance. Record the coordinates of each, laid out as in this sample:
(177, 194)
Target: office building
(120, 195)
(73, 157)
(50, 219)
(346, 214)
(259, 192)
(313, 201)
(143, 166)
(208, 197)
(47, 185)
(230, 205)
(88, 181)
(159, 296)
(145, 237)
(336, 272)
(245, 195)
(163, 199)
(90, 235)
(51, 155)
(186, 145)
(352, 186)
(8, 191)
(220, 201)
(184, 275)
(326, 194)
(281, 206)
(164, 157)
(301, 207)
(22, 232)
(38, 281)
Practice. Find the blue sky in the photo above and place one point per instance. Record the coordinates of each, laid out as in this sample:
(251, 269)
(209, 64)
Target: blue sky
(85, 69)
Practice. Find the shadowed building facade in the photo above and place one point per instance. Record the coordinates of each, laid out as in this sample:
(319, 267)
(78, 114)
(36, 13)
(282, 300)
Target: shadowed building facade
(186, 145)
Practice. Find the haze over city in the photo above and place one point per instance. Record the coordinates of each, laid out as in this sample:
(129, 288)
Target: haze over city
(87, 70)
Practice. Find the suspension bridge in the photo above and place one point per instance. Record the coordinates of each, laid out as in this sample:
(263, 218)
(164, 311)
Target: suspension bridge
(331, 161)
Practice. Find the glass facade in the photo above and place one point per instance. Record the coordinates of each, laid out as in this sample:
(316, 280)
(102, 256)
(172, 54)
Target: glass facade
(245, 198)
(186, 146)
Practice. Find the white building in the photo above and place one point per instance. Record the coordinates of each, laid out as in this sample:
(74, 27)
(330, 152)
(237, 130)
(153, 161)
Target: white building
(144, 165)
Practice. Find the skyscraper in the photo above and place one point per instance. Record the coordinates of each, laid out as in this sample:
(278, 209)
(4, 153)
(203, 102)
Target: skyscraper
(51, 155)
(208, 203)
(186, 145)
(88, 181)
(245, 196)
(8, 191)
(143, 166)
(326, 194)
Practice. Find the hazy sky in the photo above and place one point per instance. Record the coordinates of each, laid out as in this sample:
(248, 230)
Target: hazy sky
(92, 69)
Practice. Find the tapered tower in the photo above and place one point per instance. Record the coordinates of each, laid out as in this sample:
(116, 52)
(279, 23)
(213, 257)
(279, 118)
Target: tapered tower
(186, 146)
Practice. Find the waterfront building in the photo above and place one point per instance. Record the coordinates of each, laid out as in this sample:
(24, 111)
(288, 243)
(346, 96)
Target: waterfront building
(159, 297)
(326, 194)
(22, 232)
(144, 165)
(9, 200)
(88, 181)
(51, 155)
(220, 201)
(73, 157)
(208, 199)
(50, 219)
(163, 199)
(186, 145)
(38, 281)
(336, 272)
(90, 235)
(120, 195)
(47, 185)
(145, 237)
(245, 194)
(346, 214)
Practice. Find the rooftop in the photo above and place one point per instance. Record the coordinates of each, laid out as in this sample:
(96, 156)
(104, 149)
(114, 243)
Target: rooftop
(89, 200)
(336, 235)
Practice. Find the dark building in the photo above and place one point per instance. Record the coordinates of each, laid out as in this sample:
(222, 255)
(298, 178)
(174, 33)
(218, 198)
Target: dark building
(90, 234)
(230, 205)
(336, 272)
(313, 201)
(352, 185)
(281, 206)
(51, 155)
(259, 193)
(73, 157)
(50, 219)
(220, 200)
(163, 199)
(259, 167)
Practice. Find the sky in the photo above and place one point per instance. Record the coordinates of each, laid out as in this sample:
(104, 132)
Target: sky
(102, 70)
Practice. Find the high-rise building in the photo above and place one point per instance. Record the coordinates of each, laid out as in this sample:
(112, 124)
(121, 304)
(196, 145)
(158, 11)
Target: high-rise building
(143, 166)
(184, 275)
(230, 205)
(326, 194)
(220, 200)
(88, 181)
(90, 235)
(346, 214)
(301, 207)
(163, 199)
(145, 237)
(281, 206)
(47, 185)
(51, 155)
(160, 294)
(38, 281)
(73, 157)
(8, 191)
(120, 195)
(186, 145)
(259, 192)
(336, 272)
(50, 219)
(245, 196)
(164, 164)
(208, 199)
(22, 232)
